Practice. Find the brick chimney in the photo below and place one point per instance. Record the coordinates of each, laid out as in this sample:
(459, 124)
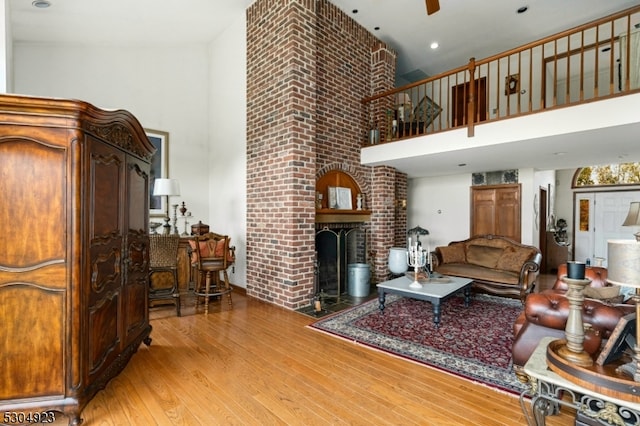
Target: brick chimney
(308, 67)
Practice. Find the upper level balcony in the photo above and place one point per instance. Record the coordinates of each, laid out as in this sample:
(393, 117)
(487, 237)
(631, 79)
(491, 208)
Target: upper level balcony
(536, 99)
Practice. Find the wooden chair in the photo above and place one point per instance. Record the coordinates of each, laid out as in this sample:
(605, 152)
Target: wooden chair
(163, 260)
(213, 255)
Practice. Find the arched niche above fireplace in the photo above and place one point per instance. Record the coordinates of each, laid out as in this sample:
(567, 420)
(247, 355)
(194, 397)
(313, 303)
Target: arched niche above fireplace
(340, 179)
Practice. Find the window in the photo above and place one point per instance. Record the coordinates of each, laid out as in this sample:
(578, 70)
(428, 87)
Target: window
(611, 174)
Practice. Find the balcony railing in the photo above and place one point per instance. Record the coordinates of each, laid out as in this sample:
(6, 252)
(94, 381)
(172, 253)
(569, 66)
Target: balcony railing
(594, 61)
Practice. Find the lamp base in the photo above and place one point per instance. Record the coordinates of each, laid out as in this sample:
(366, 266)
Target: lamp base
(166, 228)
(583, 359)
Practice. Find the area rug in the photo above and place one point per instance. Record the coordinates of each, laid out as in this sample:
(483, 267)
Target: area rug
(473, 343)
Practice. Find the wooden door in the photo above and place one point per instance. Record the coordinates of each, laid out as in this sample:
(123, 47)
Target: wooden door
(104, 207)
(483, 211)
(495, 209)
(508, 212)
(460, 96)
(135, 290)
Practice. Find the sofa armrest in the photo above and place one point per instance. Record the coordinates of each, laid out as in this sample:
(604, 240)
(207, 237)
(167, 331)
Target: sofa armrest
(528, 274)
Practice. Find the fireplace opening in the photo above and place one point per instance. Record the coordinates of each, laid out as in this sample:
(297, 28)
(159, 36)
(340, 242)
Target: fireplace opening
(336, 249)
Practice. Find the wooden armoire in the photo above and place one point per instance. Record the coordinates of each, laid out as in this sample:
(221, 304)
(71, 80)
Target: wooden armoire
(74, 256)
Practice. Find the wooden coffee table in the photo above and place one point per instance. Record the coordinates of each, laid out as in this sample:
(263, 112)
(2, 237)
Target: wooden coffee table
(434, 292)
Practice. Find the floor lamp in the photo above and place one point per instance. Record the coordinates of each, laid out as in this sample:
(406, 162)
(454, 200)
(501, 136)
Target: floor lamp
(166, 188)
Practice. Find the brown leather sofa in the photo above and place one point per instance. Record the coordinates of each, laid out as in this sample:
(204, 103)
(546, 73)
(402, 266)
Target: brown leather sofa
(546, 313)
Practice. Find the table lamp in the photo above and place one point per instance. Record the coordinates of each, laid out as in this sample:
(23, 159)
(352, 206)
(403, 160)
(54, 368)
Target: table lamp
(633, 217)
(624, 270)
(166, 188)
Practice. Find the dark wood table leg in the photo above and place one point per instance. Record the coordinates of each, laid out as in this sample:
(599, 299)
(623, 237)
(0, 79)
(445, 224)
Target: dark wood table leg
(436, 313)
(467, 297)
(381, 299)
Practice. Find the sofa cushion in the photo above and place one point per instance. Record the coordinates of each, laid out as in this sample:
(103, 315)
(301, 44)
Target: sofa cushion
(453, 253)
(475, 272)
(610, 294)
(483, 255)
(513, 258)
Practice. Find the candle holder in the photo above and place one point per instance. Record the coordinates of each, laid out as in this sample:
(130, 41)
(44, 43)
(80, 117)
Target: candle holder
(186, 224)
(175, 219)
(573, 349)
(416, 258)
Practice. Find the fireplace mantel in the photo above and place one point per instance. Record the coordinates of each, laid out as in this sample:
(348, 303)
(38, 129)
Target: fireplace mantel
(342, 216)
(339, 178)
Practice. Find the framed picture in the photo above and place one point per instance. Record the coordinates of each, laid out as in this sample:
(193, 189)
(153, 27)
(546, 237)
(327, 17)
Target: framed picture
(344, 198)
(159, 169)
(511, 84)
(426, 111)
(339, 198)
(622, 337)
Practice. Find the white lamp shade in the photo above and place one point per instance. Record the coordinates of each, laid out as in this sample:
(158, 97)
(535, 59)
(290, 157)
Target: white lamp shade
(633, 217)
(623, 267)
(166, 187)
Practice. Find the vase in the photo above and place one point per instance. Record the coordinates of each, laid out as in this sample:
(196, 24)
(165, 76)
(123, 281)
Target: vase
(398, 260)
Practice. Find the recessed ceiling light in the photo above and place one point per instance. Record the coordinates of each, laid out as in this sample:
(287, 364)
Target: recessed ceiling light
(41, 4)
(522, 9)
(434, 45)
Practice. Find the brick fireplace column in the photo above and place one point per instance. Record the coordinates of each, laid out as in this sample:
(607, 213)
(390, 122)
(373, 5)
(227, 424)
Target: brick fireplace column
(388, 187)
(309, 66)
(281, 122)
(388, 220)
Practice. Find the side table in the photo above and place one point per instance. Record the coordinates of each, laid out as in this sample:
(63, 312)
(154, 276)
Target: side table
(548, 391)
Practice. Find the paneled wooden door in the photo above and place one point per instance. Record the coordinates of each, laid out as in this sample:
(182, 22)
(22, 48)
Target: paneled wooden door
(495, 209)
(460, 97)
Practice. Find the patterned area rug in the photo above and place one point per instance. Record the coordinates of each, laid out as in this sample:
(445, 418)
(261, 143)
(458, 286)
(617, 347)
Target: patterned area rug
(473, 343)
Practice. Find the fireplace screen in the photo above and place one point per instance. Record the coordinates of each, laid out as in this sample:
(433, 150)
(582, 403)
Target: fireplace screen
(337, 248)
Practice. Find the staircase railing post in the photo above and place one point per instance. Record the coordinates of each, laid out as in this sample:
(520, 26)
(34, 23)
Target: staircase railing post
(471, 102)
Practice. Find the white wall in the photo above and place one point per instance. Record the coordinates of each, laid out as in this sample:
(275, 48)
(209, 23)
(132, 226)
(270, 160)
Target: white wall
(227, 127)
(196, 93)
(564, 198)
(546, 180)
(442, 205)
(6, 48)
(165, 88)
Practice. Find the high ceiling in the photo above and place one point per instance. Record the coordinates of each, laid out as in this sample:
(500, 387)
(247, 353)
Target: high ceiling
(463, 29)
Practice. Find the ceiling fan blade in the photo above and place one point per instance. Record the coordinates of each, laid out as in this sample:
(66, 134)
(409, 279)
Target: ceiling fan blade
(432, 6)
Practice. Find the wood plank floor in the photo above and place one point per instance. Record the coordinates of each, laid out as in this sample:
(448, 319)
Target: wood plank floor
(257, 364)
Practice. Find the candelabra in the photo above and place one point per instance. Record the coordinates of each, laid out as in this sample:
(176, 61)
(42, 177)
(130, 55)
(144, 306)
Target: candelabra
(416, 258)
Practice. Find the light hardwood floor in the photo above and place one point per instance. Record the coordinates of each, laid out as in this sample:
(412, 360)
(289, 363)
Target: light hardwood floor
(258, 364)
